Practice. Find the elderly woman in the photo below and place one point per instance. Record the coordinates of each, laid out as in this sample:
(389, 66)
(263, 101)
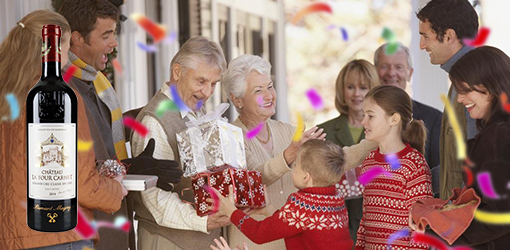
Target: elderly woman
(352, 84)
(247, 83)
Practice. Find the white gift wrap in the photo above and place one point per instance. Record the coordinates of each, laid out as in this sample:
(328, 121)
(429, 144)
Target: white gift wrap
(209, 144)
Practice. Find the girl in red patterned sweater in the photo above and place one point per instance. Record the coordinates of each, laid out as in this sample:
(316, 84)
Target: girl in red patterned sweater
(388, 197)
(315, 217)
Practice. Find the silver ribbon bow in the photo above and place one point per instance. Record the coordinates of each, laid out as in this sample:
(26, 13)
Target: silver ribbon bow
(210, 116)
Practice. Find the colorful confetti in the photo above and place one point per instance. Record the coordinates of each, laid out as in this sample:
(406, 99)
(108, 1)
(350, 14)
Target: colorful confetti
(312, 8)
(392, 159)
(300, 127)
(331, 26)
(260, 100)
(371, 174)
(315, 99)
(69, 73)
(504, 102)
(480, 39)
(485, 183)
(345, 36)
(136, 126)
(199, 104)
(469, 176)
(83, 227)
(158, 32)
(14, 105)
(164, 106)
(391, 48)
(215, 198)
(148, 48)
(254, 132)
(492, 218)
(88, 229)
(397, 235)
(171, 38)
(177, 99)
(84, 145)
(429, 241)
(461, 146)
(388, 35)
(116, 65)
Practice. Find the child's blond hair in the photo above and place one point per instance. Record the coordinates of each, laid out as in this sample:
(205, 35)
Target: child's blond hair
(324, 161)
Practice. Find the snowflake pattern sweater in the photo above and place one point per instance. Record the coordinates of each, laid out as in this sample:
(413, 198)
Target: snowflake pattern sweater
(387, 199)
(313, 218)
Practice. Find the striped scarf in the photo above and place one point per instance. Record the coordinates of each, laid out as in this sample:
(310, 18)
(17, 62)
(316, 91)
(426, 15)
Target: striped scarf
(107, 94)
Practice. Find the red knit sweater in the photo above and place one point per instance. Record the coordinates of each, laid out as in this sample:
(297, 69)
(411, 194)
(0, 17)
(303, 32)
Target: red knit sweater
(313, 218)
(387, 199)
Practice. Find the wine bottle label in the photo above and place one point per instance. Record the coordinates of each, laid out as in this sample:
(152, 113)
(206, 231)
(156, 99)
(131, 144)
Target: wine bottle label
(52, 161)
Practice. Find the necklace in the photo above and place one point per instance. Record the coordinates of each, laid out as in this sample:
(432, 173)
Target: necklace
(260, 140)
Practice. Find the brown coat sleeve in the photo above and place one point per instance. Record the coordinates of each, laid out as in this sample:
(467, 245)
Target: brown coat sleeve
(94, 191)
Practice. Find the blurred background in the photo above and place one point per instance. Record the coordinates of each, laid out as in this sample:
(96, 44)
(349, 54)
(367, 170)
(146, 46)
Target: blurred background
(307, 55)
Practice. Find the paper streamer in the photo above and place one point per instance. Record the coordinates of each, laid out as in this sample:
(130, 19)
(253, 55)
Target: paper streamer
(158, 32)
(300, 127)
(388, 35)
(492, 218)
(504, 102)
(199, 104)
(312, 8)
(87, 229)
(315, 99)
(214, 196)
(392, 159)
(429, 241)
(69, 73)
(165, 106)
(84, 145)
(371, 174)
(254, 132)
(397, 235)
(345, 36)
(485, 183)
(149, 48)
(461, 146)
(469, 176)
(480, 39)
(14, 105)
(116, 65)
(391, 48)
(136, 126)
(177, 99)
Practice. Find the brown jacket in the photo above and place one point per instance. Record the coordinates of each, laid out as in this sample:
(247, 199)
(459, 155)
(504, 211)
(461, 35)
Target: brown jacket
(94, 191)
(451, 167)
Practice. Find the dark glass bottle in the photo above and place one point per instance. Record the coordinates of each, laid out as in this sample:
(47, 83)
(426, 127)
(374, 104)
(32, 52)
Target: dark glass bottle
(52, 112)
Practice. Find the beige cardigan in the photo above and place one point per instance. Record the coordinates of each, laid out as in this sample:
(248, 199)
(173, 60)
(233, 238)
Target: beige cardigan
(276, 174)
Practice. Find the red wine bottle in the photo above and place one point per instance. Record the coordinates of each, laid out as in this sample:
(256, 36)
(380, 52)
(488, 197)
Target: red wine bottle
(52, 112)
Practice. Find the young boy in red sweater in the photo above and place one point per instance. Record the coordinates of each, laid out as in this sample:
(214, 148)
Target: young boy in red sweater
(315, 217)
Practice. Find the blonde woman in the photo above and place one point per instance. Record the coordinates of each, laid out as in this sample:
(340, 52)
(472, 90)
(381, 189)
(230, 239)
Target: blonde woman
(20, 69)
(354, 81)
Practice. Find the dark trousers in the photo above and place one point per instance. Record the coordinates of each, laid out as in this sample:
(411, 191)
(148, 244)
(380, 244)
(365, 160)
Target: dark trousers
(355, 212)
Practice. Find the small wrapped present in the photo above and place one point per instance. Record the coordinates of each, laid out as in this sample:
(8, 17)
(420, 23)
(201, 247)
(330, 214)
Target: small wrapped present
(349, 186)
(210, 141)
(247, 187)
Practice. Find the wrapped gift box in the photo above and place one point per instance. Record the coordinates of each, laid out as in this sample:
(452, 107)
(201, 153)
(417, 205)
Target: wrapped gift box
(247, 187)
(210, 142)
(349, 186)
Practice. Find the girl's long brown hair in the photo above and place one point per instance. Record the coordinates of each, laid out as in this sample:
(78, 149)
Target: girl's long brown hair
(393, 100)
(20, 56)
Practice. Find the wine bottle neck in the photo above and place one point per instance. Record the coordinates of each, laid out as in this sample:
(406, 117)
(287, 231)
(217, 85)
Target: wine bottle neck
(51, 57)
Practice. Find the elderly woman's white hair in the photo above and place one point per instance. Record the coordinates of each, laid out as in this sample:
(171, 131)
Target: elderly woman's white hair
(199, 48)
(234, 79)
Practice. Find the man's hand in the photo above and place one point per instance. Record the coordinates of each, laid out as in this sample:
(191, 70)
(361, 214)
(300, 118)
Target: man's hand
(168, 171)
(217, 221)
(223, 245)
